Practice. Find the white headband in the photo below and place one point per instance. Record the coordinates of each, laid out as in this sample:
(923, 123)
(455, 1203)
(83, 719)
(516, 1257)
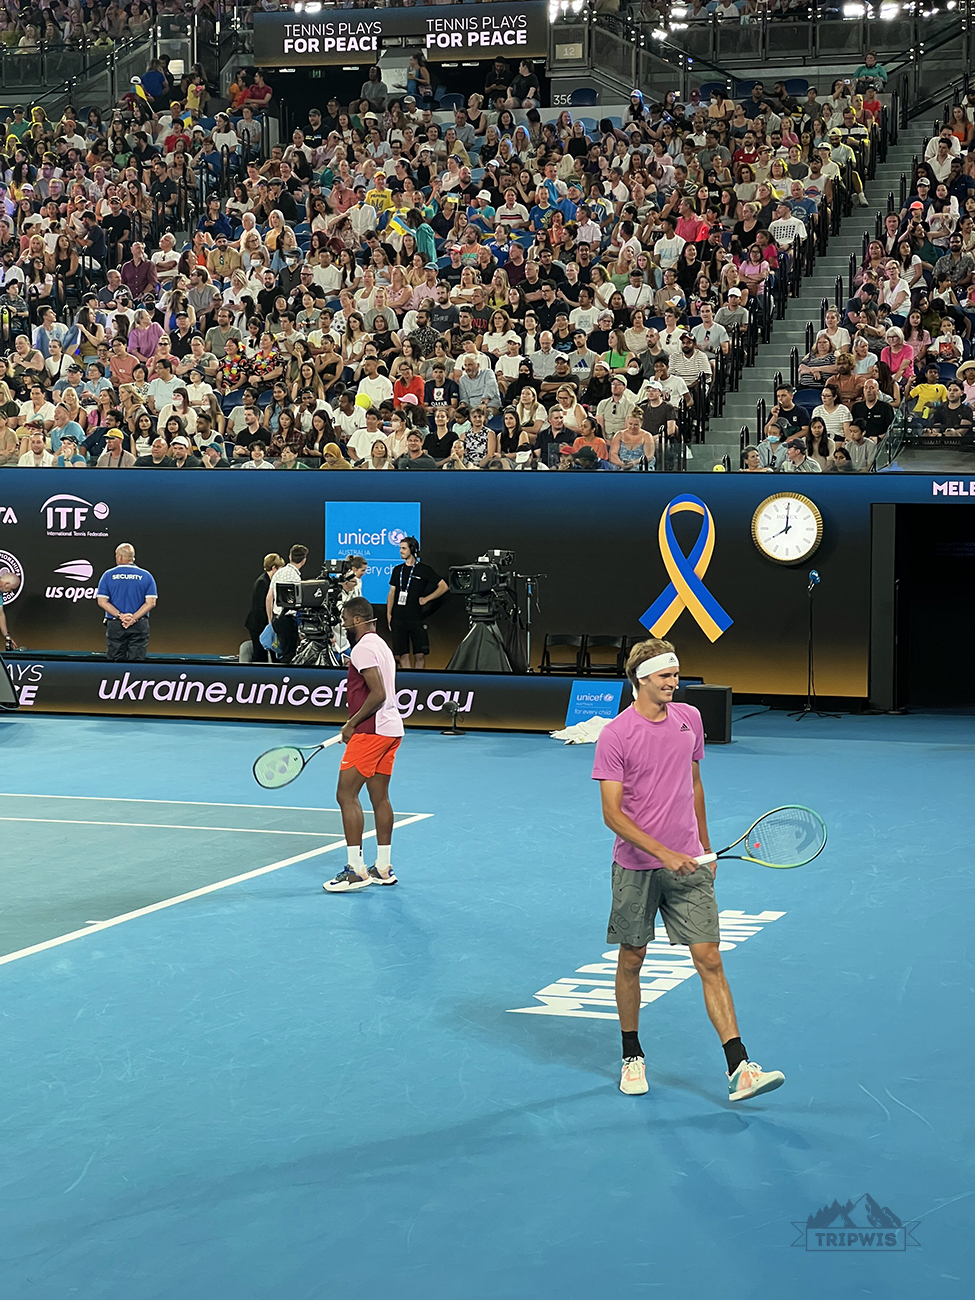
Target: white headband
(658, 662)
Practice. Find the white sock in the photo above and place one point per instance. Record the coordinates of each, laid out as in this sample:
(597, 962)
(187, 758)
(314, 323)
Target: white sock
(356, 862)
(382, 857)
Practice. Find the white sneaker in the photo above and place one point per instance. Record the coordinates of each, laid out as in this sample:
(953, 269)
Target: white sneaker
(345, 881)
(750, 1080)
(862, 200)
(377, 877)
(634, 1077)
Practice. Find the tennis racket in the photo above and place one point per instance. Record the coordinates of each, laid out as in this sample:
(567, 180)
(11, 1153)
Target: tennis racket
(278, 767)
(783, 838)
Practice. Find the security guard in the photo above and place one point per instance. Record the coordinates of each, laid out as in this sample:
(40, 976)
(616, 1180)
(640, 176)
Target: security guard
(126, 594)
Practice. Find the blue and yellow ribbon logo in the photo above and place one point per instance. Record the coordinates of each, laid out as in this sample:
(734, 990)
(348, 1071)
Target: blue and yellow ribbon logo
(685, 589)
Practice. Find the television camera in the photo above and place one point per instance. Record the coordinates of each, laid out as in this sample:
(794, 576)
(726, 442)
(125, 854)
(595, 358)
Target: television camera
(318, 605)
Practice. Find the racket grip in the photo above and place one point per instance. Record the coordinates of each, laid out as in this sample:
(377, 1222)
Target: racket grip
(705, 859)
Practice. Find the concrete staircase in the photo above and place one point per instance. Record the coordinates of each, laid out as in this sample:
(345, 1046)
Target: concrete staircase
(756, 381)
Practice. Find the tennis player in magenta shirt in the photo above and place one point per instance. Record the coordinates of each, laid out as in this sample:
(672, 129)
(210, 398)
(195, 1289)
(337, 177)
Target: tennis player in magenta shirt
(647, 766)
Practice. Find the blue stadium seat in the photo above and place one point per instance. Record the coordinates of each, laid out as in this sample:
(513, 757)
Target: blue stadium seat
(809, 398)
(796, 85)
(230, 400)
(451, 102)
(946, 370)
(584, 97)
(617, 122)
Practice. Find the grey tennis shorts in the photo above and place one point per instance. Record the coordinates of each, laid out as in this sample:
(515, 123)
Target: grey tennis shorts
(686, 903)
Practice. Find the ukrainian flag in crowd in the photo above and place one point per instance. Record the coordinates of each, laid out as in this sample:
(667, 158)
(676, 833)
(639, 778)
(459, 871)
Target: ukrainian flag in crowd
(397, 225)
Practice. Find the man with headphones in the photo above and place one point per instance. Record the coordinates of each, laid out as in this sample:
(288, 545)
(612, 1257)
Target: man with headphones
(412, 587)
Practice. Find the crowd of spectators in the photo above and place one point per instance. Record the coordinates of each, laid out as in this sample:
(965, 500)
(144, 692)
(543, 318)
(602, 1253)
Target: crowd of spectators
(909, 323)
(386, 289)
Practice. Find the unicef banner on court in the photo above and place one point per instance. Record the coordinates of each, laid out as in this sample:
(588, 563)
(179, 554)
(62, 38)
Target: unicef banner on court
(442, 32)
(374, 530)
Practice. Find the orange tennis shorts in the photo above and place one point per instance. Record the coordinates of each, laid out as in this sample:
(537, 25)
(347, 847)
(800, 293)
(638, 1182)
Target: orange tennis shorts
(369, 754)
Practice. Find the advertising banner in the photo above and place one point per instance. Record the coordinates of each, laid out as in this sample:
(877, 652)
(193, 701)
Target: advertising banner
(259, 693)
(442, 32)
(592, 698)
(620, 554)
(374, 530)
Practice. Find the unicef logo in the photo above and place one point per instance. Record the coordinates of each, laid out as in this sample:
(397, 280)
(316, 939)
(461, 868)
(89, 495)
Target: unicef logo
(396, 535)
(11, 567)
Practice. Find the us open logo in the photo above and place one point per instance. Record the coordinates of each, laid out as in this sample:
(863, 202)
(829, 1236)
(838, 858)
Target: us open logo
(10, 564)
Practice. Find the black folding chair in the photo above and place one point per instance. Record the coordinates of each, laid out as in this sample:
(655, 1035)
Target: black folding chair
(559, 641)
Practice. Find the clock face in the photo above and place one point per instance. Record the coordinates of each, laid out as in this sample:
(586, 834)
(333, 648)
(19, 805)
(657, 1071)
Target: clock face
(787, 528)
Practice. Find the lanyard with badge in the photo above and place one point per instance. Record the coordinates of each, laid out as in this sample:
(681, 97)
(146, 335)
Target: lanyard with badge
(404, 592)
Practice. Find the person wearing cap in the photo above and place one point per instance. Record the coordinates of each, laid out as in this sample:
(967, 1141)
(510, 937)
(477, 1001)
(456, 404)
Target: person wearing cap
(611, 413)
(181, 450)
(733, 316)
(796, 461)
(114, 457)
(69, 456)
(839, 155)
(127, 595)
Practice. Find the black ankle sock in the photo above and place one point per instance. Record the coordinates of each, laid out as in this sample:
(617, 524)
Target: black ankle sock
(631, 1044)
(734, 1054)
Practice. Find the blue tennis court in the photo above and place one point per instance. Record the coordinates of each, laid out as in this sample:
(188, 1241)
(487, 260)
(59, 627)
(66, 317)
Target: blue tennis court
(220, 1081)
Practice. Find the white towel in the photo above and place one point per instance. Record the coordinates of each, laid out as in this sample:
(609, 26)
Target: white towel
(582, 733)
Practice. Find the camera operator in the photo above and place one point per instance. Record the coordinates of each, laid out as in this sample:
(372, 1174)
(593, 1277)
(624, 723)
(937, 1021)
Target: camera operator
(412, 586)
(285, 621)
(351, 589)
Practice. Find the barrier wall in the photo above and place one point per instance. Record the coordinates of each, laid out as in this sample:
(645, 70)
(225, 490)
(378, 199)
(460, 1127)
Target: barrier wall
(595, 536)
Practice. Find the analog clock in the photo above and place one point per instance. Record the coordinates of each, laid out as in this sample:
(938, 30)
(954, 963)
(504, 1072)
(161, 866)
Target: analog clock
(787, 528)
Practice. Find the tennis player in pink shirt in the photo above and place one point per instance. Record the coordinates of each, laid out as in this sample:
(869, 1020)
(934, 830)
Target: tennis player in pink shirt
(372, 736)
(647, 766)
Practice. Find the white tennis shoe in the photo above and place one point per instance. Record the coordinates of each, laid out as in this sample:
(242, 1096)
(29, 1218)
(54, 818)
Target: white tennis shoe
(345, 881)
(750, 1080)
(634, 1077)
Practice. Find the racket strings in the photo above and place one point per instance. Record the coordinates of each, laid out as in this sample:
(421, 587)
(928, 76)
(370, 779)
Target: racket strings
(278, 766)
(787, 837)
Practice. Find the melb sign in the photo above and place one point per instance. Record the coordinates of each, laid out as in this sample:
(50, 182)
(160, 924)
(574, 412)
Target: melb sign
(442, 32)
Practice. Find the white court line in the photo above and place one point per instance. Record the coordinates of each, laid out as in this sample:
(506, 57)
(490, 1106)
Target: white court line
(96, 926)
(190, 803)
(171, 826)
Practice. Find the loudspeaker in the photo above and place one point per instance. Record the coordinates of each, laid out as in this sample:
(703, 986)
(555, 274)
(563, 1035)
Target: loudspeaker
(714, 705)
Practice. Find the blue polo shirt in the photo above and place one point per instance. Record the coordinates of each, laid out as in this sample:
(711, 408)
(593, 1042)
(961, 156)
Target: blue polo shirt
(126, 586)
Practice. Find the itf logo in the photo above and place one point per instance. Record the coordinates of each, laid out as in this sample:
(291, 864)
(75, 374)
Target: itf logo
(373, 529)
(593, 699)
(858, 1225)
(70, 516)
